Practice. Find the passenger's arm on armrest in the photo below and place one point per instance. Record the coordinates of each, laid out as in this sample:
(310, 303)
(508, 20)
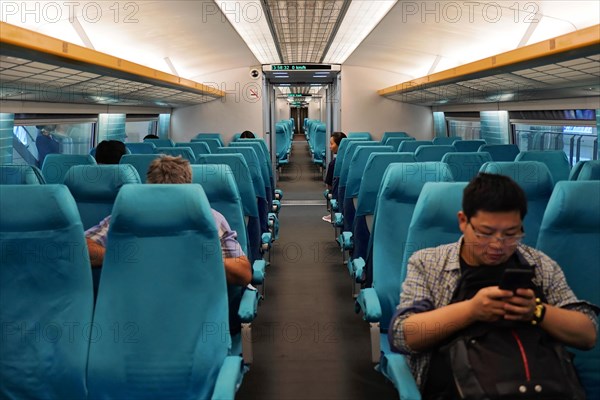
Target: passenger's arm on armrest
(96, 253)
(238, 270)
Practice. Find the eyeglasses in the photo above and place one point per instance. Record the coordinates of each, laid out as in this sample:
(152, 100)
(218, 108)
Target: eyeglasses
(509, 240)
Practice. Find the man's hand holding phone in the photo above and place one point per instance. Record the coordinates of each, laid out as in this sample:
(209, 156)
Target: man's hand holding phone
(521, 305)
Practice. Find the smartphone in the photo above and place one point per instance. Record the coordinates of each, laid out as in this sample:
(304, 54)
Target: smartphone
(514, 279)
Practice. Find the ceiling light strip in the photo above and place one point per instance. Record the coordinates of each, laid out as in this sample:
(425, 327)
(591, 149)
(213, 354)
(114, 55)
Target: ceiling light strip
(580, 39)
(336, 27)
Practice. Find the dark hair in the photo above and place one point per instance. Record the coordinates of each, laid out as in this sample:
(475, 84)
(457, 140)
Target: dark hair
(337, 137)
(247, 135)
(151, 136)
(110, 151)
(493, 193)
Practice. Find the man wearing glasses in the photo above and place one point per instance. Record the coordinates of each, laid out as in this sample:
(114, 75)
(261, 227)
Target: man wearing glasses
(429, 315)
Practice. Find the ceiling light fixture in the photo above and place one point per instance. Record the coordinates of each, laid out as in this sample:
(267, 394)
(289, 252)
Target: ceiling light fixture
(250, 22)
(359, 21)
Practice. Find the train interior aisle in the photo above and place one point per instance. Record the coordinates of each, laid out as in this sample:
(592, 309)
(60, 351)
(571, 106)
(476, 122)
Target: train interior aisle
(308, 342)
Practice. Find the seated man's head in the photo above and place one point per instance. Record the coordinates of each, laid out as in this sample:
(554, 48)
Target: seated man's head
(168, 169)
(493, 209)
(110, 151)
(247, 135)
(151, 136)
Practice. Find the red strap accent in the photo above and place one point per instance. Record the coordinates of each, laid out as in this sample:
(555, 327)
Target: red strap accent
(523, 355)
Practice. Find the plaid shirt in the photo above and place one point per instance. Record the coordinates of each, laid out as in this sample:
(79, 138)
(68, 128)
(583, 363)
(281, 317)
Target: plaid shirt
(433, 275)
(230, 248)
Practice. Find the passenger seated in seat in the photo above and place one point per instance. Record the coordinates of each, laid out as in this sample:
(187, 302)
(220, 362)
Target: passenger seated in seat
(169, 169)
(430, 315)
(334, 144)
(247, 135)
(151, 136)
(110, 151)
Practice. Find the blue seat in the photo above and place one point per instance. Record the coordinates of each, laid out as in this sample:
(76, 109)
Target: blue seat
(184, 152)
(433, 222)
(445, 141)
(318, 139)
(360, 135)
(55, 166)
(12, 174)
(570, 236)
(501, 152)
(389, 135)
(222, 193)
(95, 188)
(140, 162)
(141, 148)
(410, 146)
(590, 171)
(183, 353)
(465, 166)
(282, 145)
(160, 142)
(45, 294)
(211, 136)
(365, 207)
(396, 141)
(535, 180)
(556, 161)
(432, 152)
(212, 143)
(198, 148)
(465, 146)
(243, 178)
(576, 170)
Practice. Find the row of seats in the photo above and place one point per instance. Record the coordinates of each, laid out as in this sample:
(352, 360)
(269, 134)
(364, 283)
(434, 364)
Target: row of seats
(284, 133)
(416, 215)
(160, 319)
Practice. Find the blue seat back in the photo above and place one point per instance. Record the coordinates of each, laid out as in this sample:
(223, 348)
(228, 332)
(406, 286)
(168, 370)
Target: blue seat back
(212, 143)
(241, 173)
(140, 162)
(350, 150)
(141, 148)
(184, 152)
(465, 166)
(262, 152)
(535, 180)
(211, 136)
(400, 189)
(281, 141)
(501, 152)
(12, 174)
(432, 152)
(255, 148)
(319, 142)
(556, 161)
(396, 141)
(445, 141)
(46, 298)
(389, 135)
(55, 166)
(341, 153)
(576, 170)
(160, 142)
(360, 135)
(223, 195)
(590, 171)
(198, 148)
(410, 146)
(465, 146)
(253, 164)
(570, 236)
(173, 303)
(95, 188)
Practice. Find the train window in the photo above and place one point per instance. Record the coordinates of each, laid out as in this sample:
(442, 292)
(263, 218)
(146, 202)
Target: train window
(466, 129)
(34, 142)
(579, 142)
(136, 130)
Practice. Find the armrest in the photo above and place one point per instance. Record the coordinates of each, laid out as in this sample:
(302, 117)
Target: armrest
(275, 206)
(258, 272)
(229, 378)
(368, 302)
(266, 238)
(338, 220)
(334, 204)
(358, 270)
(326, 194)
(278, 194)
(395, 367)
(346, 241)
(248, 305)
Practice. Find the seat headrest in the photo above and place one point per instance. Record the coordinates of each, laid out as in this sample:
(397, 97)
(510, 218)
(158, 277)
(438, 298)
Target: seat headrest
(404, 181)
(533, 176)
(161, 210)
(27, 208)
(569, 207)
(99, 182)
(20, 174)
